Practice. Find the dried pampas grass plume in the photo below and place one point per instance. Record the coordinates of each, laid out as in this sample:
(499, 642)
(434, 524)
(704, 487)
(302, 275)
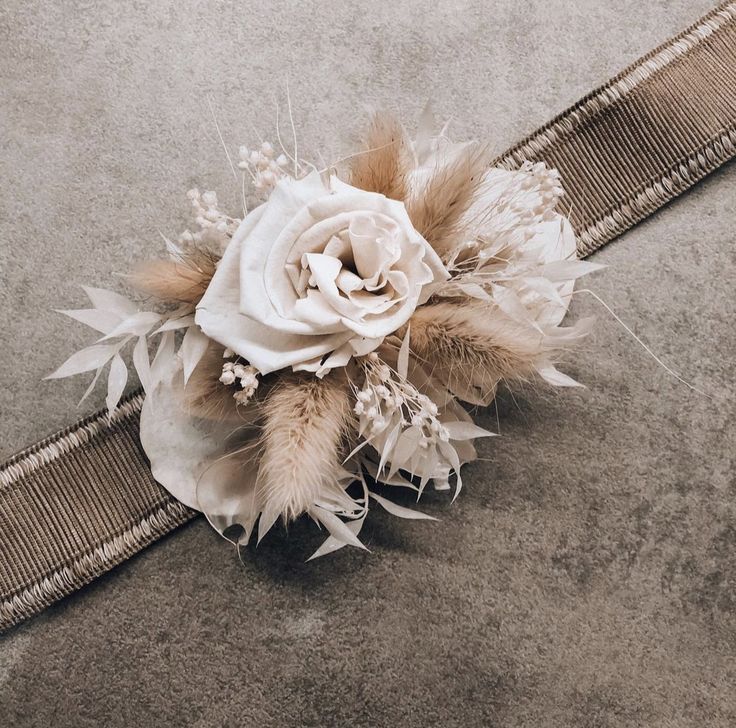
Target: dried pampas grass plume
(383, 166)
(472, 347)
(177, 281)
(305, 428)
(437, 211)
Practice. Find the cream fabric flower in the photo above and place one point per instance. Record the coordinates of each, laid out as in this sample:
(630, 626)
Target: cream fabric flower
(319, 273)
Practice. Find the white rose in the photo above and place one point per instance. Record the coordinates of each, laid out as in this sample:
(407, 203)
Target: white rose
(316, 275)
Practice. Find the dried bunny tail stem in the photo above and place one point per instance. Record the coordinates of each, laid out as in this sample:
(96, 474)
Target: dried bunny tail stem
(177, 281)
(438, 209)
(306, 425)
(471, 350)
(206, 396)
(382, 167)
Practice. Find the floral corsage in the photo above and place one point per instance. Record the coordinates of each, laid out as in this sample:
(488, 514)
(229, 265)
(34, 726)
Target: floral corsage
(324, 343)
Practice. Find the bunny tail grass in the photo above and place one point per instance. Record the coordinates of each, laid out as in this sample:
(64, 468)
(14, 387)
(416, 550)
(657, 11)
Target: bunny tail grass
(181, 281)
(470, 347)
(304, 431)
(382, 167)
(438, 211)
(206, 396)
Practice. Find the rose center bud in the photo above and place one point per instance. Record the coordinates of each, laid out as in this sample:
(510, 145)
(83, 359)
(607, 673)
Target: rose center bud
(353, 274)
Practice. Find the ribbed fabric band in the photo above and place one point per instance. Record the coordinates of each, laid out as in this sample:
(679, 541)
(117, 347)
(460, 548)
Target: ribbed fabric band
(82, 501)
(75, 505)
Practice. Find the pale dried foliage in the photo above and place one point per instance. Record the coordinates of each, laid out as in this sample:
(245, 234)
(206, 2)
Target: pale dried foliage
(438, 212)
(181, 281)
(306, 423)
(471, 348)
(383, 166)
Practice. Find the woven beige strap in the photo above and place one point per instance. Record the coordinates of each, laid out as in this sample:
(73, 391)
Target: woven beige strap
(82, 501)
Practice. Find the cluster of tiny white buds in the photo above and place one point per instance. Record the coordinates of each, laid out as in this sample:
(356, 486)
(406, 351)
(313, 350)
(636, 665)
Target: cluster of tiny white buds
(214, 226)
(529, 198)
(245, 374)
(545, 182)
(385, 400)
(265, 168)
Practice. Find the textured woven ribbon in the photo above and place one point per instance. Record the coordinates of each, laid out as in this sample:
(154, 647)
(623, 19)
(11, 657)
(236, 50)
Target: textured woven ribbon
(82, 501)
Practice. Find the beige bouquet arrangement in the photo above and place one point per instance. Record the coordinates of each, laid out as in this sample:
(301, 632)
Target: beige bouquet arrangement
(332, 338)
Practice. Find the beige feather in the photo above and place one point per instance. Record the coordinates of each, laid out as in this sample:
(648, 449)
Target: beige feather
(177, 282)
(438, 209)
(382, 167)
(304, 433)
(471, 348)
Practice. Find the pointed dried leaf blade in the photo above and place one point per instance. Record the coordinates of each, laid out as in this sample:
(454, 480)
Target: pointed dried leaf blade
(555, 377)
(388, 446)
(466, 430)
(406, 446)
(92, 384)
(164, 359)
(474, 290)
(175, 323)
(93, 357)
(400, 511)
(139, 324)
(142, 363)
(332, 544)
(116, 381)
(192, 349)
(110, 301)
(267, 519)
(337, 528)
(102, 321)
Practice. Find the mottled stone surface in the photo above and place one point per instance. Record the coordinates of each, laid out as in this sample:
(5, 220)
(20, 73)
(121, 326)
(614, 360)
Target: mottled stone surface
(587, 574)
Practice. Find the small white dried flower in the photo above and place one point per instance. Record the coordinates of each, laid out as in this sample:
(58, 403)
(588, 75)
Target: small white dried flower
(239, 371)
(227, 378)
(264, 171)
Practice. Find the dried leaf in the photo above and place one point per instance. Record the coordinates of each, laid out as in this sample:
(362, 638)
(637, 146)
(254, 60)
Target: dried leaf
(332, 544)
(85, 360)
(110, 301)
(337, 528)
(388, 445)
(466, 430)
(92, 384)
(116, 381)
(192, 350)
(102, 321)
(176, 323)
(406, 446)
(142, 363)
(164, 358)
(555, 377)
(400, 511)
(139, 324)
